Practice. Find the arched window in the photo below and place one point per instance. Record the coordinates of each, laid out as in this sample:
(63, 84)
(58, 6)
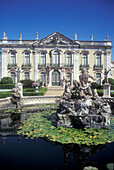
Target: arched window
(98, 77)
(27, 58)
(43, 77)
(27, 75)
(13, 58)
(68, 60)
(13, 76)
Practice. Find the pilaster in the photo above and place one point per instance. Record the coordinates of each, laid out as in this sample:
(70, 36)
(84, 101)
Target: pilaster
(35, 66)
(107, 64)
(4, 62)
(76, 65)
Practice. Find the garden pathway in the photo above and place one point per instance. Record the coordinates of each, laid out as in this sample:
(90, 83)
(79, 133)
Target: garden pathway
(54, 91)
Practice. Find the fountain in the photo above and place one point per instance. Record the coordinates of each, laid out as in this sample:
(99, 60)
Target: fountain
(80, 108)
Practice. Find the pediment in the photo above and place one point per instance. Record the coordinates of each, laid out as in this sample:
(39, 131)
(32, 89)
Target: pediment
(56, 38)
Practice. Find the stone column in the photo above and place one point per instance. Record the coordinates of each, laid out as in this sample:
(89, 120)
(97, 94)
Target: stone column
(61, 78)
(107, 61)
(35, 65)
(4, 62)
(76, 66)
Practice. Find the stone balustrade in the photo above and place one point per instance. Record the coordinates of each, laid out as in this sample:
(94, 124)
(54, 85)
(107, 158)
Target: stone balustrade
(29, 100)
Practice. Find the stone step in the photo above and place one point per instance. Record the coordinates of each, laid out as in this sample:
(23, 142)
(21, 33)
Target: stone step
(54, 91)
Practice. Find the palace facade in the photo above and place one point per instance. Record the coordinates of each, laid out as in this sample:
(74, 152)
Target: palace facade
(54, 58)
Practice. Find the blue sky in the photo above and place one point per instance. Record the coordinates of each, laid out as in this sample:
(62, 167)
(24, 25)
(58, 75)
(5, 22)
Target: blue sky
(84, 17)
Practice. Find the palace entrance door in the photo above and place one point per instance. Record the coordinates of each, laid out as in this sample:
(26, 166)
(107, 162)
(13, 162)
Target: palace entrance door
(55, 78)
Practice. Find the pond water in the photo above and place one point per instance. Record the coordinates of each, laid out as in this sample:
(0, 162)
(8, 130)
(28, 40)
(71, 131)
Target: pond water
(16, 152)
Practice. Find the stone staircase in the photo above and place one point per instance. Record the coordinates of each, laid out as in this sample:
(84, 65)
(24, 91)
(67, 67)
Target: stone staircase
(55, 91)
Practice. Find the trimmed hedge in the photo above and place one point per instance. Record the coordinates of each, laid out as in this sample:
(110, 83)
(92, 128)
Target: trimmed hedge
(7, 86)
(6, 80)
(5, 94)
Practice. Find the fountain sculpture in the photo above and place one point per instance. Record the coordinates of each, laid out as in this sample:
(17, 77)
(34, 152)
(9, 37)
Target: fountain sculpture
(81, 108)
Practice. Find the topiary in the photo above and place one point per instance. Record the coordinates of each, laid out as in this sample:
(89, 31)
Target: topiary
(6, 80)
(27, 83)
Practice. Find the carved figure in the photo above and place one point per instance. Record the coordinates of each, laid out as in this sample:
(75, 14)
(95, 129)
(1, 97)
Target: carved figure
(84, 86)
(106, 75)
(16, 95)
(18, 75)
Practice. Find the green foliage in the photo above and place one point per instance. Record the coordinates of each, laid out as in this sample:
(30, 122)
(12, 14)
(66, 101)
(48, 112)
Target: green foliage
(27, 83)
(7, 86)
(112, 87)
(96, 86)
(37, 125)
(110, 80)
(5, 94)
(6, 80)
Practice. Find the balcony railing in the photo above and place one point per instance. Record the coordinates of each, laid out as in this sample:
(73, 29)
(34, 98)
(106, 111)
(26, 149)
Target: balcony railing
(54, 65)
(14, 66)
(98, 67)
(84, 66)
(24, 66)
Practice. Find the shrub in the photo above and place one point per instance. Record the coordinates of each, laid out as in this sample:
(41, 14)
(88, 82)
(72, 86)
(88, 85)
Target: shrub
(27, 83)
(96, 86)
(7, 86)
(110, 80)
(6, 80)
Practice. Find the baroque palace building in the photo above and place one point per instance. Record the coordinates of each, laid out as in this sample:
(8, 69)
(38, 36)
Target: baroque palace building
(54, 58)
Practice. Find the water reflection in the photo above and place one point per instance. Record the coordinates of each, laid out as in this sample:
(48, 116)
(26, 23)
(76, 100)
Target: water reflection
(74, 156)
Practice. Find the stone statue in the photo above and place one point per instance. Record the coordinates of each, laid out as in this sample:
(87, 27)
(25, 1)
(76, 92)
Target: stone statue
(106, 75)
(84, 86)
(18, 75)
(17, 94)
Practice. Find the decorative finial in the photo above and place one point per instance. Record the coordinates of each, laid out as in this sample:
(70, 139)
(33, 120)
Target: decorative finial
(4, 36)
(37, 36)
(107, 38)
(20, 37)
(91, 37)
(75, 36)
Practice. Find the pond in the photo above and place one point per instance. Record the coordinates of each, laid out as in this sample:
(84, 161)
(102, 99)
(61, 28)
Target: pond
(31, 152)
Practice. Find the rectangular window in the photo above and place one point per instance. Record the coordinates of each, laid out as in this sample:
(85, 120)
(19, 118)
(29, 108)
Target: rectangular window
(27, 58)
(84, 60)
(98, 60)
(43, 59)
(13, 58)
(27, 75)
(68, 60)
(98, 77)
(55, 59)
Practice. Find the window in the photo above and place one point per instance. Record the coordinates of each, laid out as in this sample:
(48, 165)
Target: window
(27, 75)
(13, 58)
(13, 76)
(84, 60)
(55, 58)
(43, 59)
(68, 59)
(98, 60)
(43, 77)
(98, 77)
(27, 58)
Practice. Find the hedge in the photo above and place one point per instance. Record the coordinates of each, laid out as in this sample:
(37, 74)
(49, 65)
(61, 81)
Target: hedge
(7, 86)
(5, 94)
